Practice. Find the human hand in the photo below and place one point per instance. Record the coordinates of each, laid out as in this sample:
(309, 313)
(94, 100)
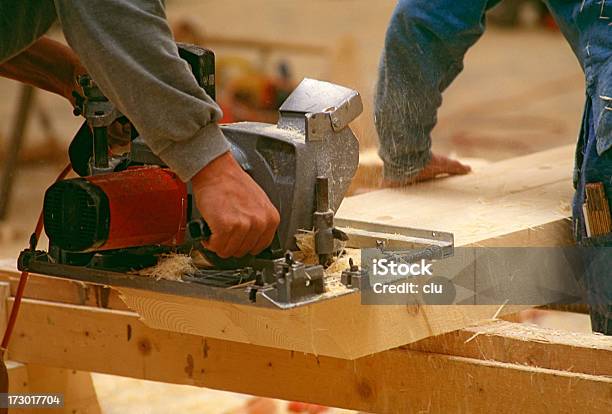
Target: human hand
(241, 217)
(438, 166)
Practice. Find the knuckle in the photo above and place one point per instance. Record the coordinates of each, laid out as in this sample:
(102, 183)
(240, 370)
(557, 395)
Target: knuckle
(242, 226)
(259, 223)
(224, 223)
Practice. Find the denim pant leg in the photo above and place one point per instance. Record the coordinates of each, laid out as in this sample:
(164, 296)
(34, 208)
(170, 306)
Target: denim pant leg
(596, 251)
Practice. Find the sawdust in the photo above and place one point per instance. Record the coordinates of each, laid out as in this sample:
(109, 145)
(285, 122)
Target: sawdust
(307, 255)
(306, 245)
(171, 266)
(342, 262)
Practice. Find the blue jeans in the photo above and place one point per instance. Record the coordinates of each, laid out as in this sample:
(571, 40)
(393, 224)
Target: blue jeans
(424, 49)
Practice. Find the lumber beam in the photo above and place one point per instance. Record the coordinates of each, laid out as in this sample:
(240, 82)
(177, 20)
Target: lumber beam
(340, 327)
(398, 380)
(76, 386)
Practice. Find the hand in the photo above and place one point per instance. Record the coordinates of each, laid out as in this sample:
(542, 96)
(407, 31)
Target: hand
(241, 217)
(438, 166)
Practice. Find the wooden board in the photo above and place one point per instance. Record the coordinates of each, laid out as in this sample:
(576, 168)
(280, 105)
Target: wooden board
(519, 378)
(340, 327)
(517, 202)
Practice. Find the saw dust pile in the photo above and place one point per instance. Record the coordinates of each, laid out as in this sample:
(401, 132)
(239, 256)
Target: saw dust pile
(306, 245)
(307, 254)
(171, 266)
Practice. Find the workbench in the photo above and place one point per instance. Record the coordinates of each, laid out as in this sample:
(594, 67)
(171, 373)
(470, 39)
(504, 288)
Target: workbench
(405, 358)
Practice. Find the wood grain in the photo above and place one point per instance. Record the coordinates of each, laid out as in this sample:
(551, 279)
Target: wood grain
(339, 327)
(517, 202)
(395, 381)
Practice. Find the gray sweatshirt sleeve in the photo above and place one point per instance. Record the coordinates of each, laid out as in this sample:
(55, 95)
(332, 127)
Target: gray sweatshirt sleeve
(128, 49)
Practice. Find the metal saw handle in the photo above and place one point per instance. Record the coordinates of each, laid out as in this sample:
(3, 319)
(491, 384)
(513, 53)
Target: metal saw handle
(199, 230)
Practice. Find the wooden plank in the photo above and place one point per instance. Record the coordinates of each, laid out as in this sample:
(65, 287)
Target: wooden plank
(516, 202)
(18, 376)
(339, 327)
(527, 345)
(394, 381)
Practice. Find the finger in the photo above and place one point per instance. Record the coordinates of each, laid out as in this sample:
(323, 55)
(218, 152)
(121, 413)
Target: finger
(252, 238)
(237, 237)
(216, 242)
(223, 243)
(267, 235)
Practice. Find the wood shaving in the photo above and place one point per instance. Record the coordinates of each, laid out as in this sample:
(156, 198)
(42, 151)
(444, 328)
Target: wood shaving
(306, 245)
(171, 266)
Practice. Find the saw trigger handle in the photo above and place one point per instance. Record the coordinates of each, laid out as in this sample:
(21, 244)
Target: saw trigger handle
(199, 230)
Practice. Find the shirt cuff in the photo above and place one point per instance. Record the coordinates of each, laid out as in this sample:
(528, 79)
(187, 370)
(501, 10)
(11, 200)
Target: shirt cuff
(187, 158)
(405, 170)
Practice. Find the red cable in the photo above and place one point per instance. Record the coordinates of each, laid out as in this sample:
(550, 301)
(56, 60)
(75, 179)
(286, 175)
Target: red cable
(24, 275)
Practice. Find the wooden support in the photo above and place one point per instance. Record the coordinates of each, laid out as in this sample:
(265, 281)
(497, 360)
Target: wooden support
(76, 387)
(394, 381)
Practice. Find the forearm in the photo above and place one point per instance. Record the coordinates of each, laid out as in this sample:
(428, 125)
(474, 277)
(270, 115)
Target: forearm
(46, 64)
(424, 49)
(128, 49)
